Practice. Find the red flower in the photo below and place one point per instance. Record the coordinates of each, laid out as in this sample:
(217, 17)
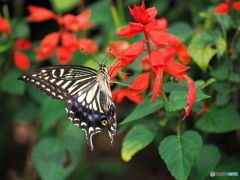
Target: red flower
(141, 83)
(87, 44)
(121, 93)
(39, 14)
(69, 41)
(4, 25)
(47, 46)
(225, 7)
(23, 44)
(145, 63)
(116, 47)
(143, 15)
(76, 23)
(133, 52)
(64, 55)
(21, 60)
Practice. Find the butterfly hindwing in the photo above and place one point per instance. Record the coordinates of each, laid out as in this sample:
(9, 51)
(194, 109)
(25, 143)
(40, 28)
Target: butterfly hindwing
(91, 109)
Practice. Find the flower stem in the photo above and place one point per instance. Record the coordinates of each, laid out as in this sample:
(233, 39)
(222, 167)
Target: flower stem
(115, 17)
(120, 11)
(164, 96)
(179, 127)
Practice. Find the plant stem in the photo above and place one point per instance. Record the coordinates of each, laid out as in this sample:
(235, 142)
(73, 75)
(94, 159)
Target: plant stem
(115, 17)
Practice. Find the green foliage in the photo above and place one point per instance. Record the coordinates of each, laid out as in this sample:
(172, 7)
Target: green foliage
(136, 139)
(183, 150)
(207, 160)
(51, 111)
(145, 108)
(207, 140)
(219, 120)
(201, 49)
(7, 85)
(55, 158)
(61, 6)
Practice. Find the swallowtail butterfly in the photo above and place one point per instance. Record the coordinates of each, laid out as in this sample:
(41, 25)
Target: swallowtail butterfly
(87, 91)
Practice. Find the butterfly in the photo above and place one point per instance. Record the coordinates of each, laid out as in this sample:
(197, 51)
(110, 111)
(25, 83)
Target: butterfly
(87, 91)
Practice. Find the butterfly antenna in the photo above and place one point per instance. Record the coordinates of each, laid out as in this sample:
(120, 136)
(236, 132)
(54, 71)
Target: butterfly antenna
(89, 55)
(105, 59)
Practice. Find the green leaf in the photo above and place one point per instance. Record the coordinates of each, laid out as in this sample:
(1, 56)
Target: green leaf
(179, 153)
(28, 111)
(221, 73)
(221, 46)
(171, 86)
(21, 29)
(182, 30)
(177, 99)
(37, 95)
(62, 6)
(135, 140)
(51, 111)
(207, 160)
(234, 77)
(56, 158)
(208, 82)
(100, 12)
(5, 43)
(10, 84)
(219, 120)
(200, 47)
(222, 99)
(145, 108)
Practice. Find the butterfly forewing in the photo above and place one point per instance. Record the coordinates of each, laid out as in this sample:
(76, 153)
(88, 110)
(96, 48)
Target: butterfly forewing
(88, 93)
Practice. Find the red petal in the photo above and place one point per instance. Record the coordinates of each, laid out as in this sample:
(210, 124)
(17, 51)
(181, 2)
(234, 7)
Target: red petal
(4, 25)
(23, 44)
(236, 5)
(51, 39)
(21, 60)
(44, 52)
(64, 55)
(156, 58)
(136, 27)
(89, 45)
(116, 47)
(222, 8)
(140, 84)
(159, 38)
(69, 41)
(175, 69)
(145, 63)
(83, 20)
(134, 51)
(162, 24)
(126, 32)
(152, 26)
(157, 83)
(71, 22)
(152, 12)
(183, 55)
(121, 93)
(39, 14)
(191, 96)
